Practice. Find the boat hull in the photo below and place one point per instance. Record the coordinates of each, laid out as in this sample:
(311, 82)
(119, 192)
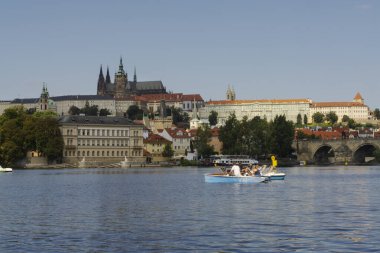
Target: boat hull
(6, 170)
(214, 178)
(276, 176)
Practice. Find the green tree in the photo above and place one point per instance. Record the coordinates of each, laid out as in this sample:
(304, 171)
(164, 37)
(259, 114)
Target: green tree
(229, 135)
(179, 116)
(90, 110)
(259, 137)
(332, 118)
(74, 110)
(203, 137)
(20, 133)
(213, 118)
(305, 119)
(376, 113)
(134, 113)
(299, 119)
(345, 118)
(318, 117)
(104, 112)
(283, 135)
(351, 124)
(45, 114)
(12, 136)
(168, 151)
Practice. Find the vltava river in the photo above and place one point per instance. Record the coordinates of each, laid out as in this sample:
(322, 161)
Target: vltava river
(324, 209)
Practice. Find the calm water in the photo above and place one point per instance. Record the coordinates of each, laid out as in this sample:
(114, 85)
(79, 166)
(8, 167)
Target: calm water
(330, 209)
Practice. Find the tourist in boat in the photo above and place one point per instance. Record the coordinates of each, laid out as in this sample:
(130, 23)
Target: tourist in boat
(256, 171)
(246, 171)
(235, 171)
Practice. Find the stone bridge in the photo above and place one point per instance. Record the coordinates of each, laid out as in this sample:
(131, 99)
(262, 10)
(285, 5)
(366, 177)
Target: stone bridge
(344, 151)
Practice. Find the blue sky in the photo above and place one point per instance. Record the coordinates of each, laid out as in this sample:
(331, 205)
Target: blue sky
(323, 50)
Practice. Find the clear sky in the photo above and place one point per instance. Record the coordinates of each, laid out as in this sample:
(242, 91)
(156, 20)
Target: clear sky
(323, 50)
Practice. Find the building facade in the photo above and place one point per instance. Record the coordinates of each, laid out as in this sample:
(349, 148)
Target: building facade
(356, 109)
(268, 109)
(101, 140)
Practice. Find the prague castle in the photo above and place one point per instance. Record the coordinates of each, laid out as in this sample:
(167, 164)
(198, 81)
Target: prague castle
(122, 87)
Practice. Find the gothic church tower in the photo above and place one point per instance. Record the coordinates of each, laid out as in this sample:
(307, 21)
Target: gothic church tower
(101, 84)
(121, 80)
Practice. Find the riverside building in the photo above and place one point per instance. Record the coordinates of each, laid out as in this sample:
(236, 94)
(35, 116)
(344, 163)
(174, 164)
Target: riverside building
(101, 140)
(356, 109)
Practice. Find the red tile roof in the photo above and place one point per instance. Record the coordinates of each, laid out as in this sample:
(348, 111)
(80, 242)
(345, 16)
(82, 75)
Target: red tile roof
(192, 97)
(325, 135)
(358, 96)
(174, 97)
(176, 133)
(338, 104)
(155, 138)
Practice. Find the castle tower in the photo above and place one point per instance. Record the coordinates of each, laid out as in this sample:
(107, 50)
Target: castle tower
(230, 94)
(358, 98)
(44, 99)
(101, 83)
(121, 79)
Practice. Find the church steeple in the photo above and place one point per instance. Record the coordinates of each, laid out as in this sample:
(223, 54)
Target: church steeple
(121, 68)
(101, 84)
(121, 81)
(108, 77)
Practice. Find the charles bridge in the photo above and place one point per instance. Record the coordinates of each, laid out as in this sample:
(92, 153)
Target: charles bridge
(342, 151)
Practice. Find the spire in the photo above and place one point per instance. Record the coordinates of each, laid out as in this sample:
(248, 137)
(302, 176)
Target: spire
(100, 90)
(121, 68)
(101, 72)
(135, 76)
(108, 78)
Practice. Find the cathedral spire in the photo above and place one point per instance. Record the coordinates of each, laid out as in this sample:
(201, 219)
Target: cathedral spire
(121, 68)
(101, 85)
(108, 78)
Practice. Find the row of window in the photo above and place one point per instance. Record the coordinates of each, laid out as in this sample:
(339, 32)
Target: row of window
(102, 132)
(102, 153)
(117, 143)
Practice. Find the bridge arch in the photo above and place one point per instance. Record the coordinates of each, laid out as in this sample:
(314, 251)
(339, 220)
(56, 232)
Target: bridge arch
(324, 155)
(364, 153)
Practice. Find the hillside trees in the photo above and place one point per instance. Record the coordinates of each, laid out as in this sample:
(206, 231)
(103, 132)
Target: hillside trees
(256, 137)
(20, 132)
(202, 139)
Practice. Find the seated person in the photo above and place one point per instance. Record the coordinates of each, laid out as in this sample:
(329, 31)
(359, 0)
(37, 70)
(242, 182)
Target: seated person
(235, 170)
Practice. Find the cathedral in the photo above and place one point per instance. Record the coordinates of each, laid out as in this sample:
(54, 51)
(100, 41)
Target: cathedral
(122, 87)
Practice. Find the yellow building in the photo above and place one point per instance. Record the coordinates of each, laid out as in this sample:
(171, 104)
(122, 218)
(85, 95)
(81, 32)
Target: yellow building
(101, 140)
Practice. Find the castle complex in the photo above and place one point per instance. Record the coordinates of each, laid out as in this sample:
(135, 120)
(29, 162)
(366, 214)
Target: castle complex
(122, 87)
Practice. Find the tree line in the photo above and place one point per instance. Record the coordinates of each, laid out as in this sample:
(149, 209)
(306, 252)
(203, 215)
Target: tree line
(21, 132)
(254, 137)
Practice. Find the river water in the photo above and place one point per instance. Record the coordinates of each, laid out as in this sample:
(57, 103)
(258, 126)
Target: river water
(315, 209)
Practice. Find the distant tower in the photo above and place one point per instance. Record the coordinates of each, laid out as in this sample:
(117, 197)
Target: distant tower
(230, 94)
(101, 83)
(121, 79)
(358, 98)
(108, 78)
(135, 76)
(44, 98)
